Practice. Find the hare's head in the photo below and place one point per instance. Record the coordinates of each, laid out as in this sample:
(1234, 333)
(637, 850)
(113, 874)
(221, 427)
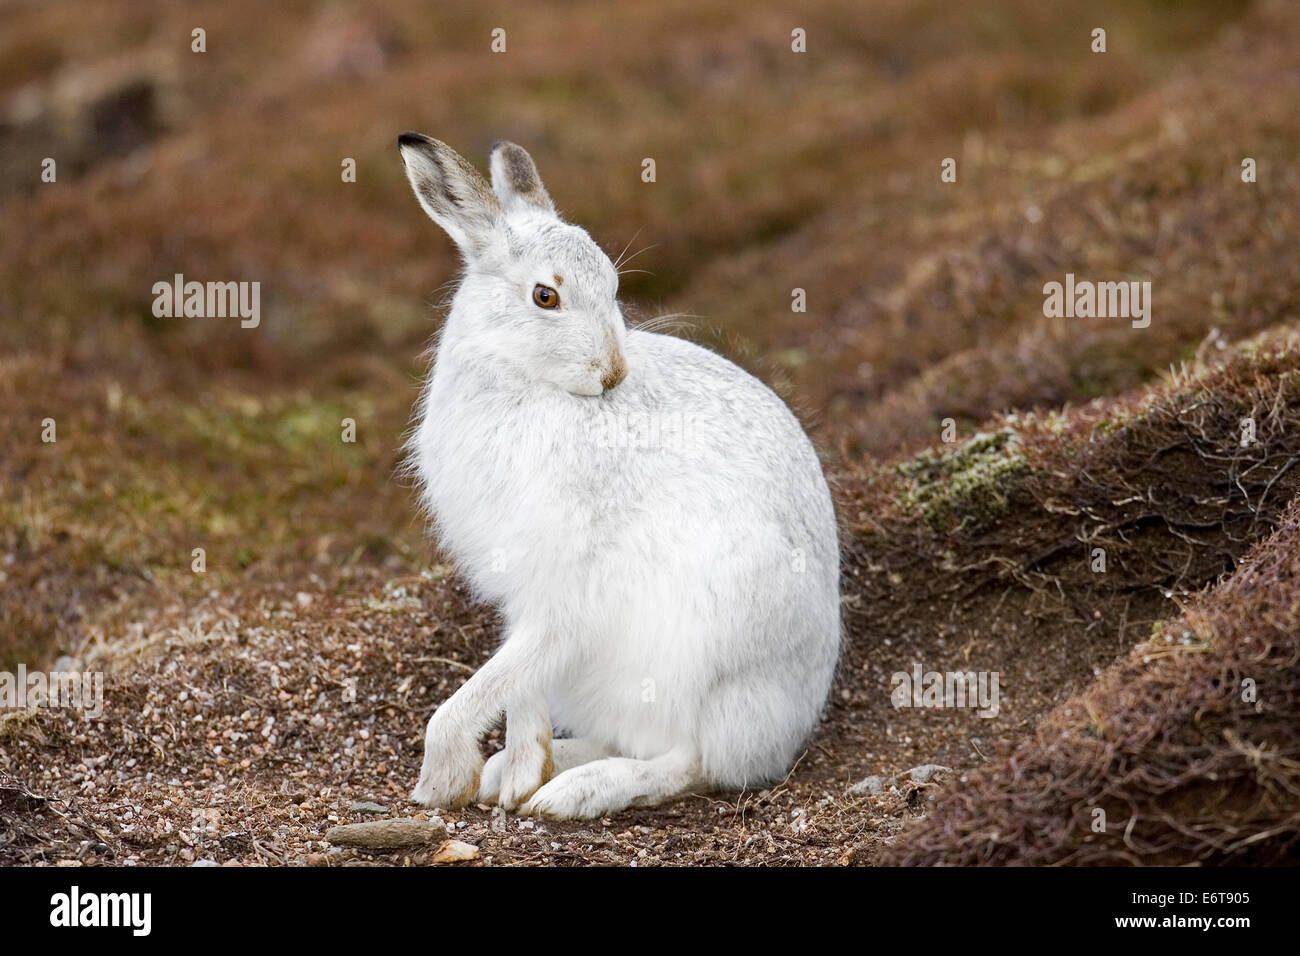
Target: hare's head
(539, 297)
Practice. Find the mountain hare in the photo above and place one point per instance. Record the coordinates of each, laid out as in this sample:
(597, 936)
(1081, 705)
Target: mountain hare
(651, 522)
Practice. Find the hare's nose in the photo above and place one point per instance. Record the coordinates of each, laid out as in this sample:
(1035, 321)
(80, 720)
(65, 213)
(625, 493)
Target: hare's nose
(616, 372)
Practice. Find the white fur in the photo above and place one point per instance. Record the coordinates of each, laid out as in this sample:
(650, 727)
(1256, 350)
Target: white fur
(663, 553)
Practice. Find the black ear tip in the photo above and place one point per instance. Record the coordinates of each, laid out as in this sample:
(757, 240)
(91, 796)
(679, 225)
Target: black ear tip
(412, 139)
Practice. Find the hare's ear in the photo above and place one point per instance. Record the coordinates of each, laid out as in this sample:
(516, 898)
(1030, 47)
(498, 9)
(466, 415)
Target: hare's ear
(515, 179)
(451, 191)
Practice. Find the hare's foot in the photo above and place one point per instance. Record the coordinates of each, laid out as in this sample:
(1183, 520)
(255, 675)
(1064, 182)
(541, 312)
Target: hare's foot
(449, 776)
(510, 780)
(570, 752)
(513, 774)
(489, 786)
(452, 762)
(606, 786)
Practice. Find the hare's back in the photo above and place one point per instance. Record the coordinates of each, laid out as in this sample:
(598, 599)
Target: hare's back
(732, 431)
(725, 409)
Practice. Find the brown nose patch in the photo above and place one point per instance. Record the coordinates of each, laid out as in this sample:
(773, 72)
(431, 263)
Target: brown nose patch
(617, 371)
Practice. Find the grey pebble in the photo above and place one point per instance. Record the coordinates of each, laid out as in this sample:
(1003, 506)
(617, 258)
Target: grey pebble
(872, 784)
(925, 773)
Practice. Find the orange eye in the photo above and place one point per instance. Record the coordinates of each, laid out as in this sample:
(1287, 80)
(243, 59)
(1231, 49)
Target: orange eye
(545, 297)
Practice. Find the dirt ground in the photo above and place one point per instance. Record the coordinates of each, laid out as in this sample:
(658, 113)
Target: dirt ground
(250, 708)
(196, 760)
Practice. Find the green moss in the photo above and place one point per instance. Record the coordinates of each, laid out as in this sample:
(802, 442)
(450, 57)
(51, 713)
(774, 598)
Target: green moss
(965, 485)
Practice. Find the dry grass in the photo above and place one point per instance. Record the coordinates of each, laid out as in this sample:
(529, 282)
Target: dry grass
(1188, 747)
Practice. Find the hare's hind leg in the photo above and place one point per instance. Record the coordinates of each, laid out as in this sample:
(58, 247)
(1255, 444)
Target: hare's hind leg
(606, 786)
(507, 774)
(570, 752)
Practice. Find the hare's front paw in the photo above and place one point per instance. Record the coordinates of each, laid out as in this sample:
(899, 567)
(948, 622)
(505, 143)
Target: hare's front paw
(512, 776)
(450, 775)
(583, 793)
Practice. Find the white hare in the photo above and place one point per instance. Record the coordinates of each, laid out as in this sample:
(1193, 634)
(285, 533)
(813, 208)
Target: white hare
(651, 522)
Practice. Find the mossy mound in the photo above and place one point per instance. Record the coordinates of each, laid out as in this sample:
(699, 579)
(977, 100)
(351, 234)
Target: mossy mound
(968, 485)
(1189, 744)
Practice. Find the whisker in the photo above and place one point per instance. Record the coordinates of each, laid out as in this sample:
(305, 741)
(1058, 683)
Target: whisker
(627, 247)
(669, 320)
(635, 254)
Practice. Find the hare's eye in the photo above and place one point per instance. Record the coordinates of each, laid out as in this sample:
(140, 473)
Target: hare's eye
(545, 297)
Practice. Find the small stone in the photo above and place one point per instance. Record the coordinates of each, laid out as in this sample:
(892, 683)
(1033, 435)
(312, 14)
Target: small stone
(925, 773)
(456, 851)
(367, 806)
(872, 784)
(204, 863)
(387, 834)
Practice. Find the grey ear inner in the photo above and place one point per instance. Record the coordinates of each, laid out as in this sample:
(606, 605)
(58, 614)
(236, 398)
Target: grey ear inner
(451, 191)
(516, 181)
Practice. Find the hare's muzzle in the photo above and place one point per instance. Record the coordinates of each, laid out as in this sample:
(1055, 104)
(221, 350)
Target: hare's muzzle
(616, 371)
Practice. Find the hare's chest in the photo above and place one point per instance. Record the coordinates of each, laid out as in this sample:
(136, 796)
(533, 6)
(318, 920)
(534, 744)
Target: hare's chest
(501, 494)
